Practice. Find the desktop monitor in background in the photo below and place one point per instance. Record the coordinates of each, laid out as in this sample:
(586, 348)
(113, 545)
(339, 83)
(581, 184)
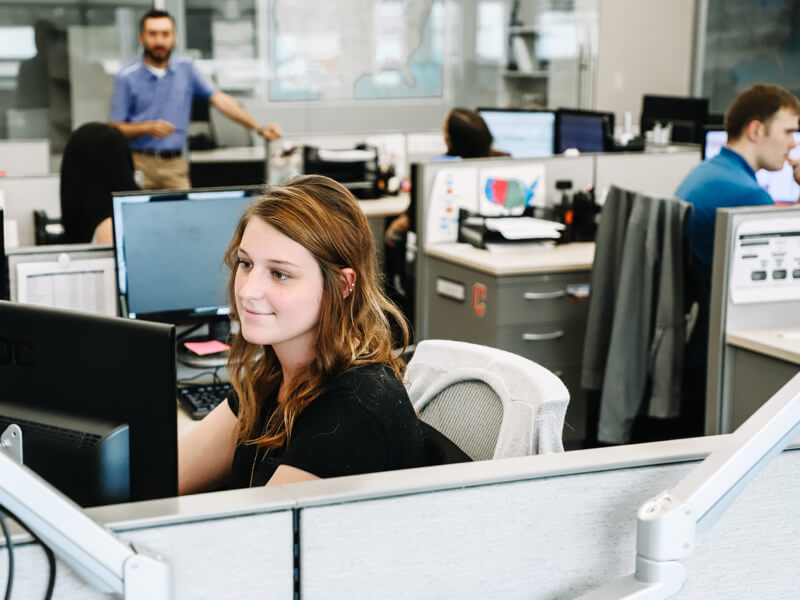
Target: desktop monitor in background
(583, 130)
(169, 247)
(687, 115)
(4, 293)
(68, 276)
(779, 184)
(521, 133)
(95, 398)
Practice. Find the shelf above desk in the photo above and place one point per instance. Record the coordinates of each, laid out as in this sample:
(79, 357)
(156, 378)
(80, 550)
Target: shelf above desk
(566, 257)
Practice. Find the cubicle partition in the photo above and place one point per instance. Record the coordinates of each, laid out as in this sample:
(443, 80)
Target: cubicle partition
(227, 165)
(19, 158)
(657, 172)
(547, 527)
(22, 196)
(754, 326)
(528, 299)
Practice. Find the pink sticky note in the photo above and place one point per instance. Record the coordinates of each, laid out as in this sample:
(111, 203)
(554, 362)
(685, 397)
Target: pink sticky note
(210, 347)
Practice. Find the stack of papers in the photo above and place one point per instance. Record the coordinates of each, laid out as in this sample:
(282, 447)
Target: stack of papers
(525, 228)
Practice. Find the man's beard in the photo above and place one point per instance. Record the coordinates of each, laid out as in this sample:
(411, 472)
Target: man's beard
(156, 59)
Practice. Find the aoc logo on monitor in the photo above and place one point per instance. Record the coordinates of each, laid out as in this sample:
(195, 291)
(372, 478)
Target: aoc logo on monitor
(17, 353)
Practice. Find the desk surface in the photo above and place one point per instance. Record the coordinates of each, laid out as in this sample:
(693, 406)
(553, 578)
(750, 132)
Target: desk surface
(566, 257)
(783, 344)
(385, 206)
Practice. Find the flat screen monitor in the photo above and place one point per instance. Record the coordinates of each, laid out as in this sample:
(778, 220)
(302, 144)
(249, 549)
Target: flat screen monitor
(687, 115)
(95, 398)
(521, 133)
(778, 184)
(69, 276)
(169, 247)
(583, 130)
(4, 293)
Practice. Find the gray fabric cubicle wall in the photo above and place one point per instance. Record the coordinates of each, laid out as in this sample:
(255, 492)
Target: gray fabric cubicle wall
(548, 527)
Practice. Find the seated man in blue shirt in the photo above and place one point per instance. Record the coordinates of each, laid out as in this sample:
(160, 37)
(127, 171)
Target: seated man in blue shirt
(760, 124)
(152, 102)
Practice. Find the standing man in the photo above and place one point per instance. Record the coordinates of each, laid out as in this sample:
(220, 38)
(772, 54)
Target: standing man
(760, 123)
(152, 102)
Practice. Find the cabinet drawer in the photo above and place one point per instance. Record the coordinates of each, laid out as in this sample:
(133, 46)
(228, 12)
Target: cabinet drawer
(542, 300)
(550, 344)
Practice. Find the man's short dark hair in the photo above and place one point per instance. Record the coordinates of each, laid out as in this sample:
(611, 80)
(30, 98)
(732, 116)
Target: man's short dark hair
(759, 102)
(155, 13)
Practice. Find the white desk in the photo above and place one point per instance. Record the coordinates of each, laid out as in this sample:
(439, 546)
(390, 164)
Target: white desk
(762, 360)
(565, 257)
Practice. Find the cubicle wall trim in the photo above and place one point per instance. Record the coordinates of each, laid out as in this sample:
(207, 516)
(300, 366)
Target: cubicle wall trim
(223, 504)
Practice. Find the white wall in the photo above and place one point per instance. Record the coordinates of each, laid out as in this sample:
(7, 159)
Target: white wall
(645, 47)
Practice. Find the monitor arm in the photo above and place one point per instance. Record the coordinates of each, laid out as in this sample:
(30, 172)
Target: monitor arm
(103, 560)
(668, 523)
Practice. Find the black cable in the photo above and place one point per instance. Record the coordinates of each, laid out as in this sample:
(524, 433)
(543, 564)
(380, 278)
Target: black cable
(51, 558)
(10, 546)
(215, 378)
(184, 334)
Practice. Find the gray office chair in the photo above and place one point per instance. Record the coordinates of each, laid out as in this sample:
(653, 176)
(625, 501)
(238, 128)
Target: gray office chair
(489, 402)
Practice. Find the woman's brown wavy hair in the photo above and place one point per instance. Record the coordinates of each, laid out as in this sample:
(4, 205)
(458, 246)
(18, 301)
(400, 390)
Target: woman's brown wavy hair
(323, 217)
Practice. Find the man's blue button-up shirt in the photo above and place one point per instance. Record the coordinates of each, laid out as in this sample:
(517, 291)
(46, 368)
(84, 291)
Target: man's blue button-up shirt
(140, 95)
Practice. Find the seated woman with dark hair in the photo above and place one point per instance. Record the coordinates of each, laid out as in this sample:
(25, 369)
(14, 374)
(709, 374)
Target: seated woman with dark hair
(97, 161)
(466, 136)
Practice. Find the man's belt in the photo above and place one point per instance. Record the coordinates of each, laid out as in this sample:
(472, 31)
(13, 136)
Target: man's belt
(159, 153)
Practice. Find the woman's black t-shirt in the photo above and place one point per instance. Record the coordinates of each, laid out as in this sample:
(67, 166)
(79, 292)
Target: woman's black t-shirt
(362, 422)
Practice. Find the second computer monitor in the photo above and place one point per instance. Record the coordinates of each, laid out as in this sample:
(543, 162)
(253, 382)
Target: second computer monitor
(779, 184)
(521, 133)
(584, 130)
(169, 248)
(688, 116)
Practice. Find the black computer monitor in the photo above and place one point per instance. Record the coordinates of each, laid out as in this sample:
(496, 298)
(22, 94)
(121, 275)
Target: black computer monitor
(356, 169)
(95, 398)
(584, 130)
(687, 115)
(4, 282)
(521, 133)
(780, 184)
(169, 247)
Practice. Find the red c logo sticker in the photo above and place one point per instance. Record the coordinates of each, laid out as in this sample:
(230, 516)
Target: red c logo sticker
(479, 299)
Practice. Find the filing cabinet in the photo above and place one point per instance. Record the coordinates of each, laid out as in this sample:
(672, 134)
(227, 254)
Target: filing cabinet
(540, 316)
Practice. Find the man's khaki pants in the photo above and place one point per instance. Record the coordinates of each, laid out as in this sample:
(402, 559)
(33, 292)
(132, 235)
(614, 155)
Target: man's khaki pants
(162, 173)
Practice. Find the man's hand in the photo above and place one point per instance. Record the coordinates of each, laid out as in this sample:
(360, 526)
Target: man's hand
(795, 164)
(270, 132)
(161, 128)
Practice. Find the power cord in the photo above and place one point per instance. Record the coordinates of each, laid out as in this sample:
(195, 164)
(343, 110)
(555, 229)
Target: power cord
(10, 547)
(214, 375)
(51, 558)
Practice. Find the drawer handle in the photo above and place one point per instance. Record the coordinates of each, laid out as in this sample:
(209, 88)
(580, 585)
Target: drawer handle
(540, 337)
(544, 295)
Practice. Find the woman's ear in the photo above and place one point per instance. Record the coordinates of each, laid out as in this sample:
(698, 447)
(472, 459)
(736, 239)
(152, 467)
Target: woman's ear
(347, 277)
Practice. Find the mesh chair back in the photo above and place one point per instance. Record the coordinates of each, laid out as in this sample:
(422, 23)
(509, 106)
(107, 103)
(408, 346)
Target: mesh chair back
(457, 408)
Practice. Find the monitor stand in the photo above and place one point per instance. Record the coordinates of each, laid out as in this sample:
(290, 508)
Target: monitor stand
(217, 331)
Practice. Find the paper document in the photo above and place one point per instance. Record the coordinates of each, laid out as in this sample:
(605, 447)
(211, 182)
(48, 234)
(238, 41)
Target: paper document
(84, 285)
(525, 228)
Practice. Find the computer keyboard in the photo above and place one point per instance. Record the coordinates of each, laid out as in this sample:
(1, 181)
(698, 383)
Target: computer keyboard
(199, 400)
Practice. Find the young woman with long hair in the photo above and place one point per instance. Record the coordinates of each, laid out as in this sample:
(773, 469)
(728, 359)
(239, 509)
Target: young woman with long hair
(318, 390)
